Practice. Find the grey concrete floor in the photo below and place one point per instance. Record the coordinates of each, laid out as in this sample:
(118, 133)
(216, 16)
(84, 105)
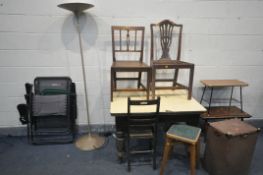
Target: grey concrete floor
(17, 157)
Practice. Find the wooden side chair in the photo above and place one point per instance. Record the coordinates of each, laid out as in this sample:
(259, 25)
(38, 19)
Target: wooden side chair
(166, 41)
(127, 52)
(185, 134)
(142, 126)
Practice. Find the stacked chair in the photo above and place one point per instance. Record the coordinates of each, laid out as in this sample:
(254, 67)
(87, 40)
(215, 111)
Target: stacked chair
(50, 111)
(166, 42)
(127, 52)
(165, 57)
(142, 127)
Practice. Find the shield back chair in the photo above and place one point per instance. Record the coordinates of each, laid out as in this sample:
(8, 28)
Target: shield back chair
(142, 126)
(51, 110)
(166, 41)
(127, 52)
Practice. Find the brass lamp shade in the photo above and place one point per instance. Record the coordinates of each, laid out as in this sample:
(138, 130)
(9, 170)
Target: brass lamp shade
(75, 6)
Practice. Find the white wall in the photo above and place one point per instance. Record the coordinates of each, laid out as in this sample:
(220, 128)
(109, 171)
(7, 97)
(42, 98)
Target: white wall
(224, 38)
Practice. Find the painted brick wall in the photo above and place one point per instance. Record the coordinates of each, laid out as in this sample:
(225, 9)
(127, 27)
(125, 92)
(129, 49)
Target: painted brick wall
(224, 38)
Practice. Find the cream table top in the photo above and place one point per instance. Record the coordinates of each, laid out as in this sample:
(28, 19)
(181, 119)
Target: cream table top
(172, 101)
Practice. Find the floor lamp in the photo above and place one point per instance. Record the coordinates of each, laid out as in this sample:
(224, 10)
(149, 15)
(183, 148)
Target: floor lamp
(89, 141)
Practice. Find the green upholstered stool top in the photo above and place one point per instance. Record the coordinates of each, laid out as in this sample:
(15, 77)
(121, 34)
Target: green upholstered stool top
(185, 133)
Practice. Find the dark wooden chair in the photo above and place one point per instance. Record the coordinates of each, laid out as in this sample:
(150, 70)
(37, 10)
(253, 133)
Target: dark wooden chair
(166, 41)
(127, 52)
(142, 126)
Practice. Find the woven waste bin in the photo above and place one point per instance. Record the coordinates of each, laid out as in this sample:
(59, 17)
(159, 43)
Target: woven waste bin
(230, 146)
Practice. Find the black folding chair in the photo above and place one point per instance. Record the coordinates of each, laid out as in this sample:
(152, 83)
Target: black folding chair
(50, 111)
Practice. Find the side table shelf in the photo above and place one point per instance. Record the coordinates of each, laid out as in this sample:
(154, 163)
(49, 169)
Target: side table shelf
(224, 112)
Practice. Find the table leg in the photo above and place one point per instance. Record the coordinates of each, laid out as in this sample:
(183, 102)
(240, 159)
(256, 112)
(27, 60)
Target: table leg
(203, 95)
(210, 100)
(120, 137)
(120, 144)
(231, 96)
(241, 99)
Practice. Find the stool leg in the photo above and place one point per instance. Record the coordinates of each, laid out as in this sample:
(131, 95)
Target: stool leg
(192, 159)
(197, 153)
(166, 153)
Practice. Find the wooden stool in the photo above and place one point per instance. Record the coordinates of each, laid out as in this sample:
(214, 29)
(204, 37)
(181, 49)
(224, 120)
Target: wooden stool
(186, 134)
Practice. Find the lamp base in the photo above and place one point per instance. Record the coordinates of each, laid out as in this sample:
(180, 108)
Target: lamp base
(90, 142)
